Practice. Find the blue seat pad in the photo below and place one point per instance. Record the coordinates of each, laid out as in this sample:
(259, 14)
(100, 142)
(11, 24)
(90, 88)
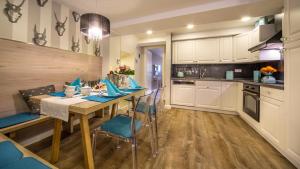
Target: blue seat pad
(140, 107)
(120, 125)
(26, 163)
(17, 119)
(9, 153)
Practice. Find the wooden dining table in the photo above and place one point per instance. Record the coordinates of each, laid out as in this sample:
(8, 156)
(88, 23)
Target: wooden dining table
(83, 110)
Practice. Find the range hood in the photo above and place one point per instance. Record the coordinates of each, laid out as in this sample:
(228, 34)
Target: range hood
(273, 43)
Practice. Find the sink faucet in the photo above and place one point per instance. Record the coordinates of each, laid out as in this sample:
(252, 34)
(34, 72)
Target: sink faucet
(202, 73)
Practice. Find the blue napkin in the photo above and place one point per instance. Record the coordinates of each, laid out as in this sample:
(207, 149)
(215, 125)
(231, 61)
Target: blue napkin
(134, 84)
(96, 98)
(110, 89)
(114, 87)
(76, 83)
(58, 94)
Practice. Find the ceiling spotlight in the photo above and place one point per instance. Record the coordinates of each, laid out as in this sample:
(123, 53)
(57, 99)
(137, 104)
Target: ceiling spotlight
(190, 26)
(149, 32)
(245, 18)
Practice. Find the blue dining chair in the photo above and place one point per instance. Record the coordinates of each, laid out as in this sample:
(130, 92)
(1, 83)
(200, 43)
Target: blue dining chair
(124, 127)
(156, 106)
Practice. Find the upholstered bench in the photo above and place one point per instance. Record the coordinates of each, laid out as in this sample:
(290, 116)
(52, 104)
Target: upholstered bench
(19, 121)
(14, 156)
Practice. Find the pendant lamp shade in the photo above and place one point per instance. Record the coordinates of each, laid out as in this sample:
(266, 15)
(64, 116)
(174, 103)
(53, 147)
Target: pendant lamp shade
(94, 26)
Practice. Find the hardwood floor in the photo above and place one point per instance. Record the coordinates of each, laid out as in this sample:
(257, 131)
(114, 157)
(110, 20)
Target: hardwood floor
(187, 139)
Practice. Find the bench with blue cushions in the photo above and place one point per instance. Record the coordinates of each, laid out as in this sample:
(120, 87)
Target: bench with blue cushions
(21, 120)
(14, 156)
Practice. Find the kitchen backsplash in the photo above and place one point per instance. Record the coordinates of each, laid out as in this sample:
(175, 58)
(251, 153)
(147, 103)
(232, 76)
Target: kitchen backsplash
(219, 70)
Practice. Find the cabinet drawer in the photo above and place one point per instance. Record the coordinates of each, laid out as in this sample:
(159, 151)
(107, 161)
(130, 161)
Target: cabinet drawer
(272, 93)
(208, 84)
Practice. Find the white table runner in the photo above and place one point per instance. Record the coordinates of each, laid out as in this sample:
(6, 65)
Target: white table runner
(58, 107)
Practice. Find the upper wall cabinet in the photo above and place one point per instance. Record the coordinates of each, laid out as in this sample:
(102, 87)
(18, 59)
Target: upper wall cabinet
(184, 52)
(291, 20)
(242, 43)
(226, 49)
(207, 50)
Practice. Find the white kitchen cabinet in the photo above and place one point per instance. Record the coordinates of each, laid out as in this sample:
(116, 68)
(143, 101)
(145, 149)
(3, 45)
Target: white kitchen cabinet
(183, 95)
(228, 96)
(208, 94)
(226, 49)
(272, 116)
(291, 30)
(207, 50)
(292, 89)
(184, 52)
(291, 20)
(239, 100)
(242, 43)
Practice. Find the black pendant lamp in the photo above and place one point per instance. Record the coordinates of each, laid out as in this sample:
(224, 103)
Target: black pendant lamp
(94, 26)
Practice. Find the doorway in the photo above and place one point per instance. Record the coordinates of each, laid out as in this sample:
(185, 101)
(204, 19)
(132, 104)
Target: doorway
(152, 67)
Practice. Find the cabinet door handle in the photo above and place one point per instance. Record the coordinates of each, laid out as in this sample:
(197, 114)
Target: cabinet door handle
(284, 39)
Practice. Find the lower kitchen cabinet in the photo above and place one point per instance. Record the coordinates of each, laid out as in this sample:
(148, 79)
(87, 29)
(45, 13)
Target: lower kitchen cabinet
(239, 98)
(228, 96)
(272, 119)
(208, 94)
(183, 95)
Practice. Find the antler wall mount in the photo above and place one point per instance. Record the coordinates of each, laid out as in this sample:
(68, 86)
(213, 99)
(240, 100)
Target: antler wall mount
(42, 3)
(76, 16)
(39, 38)
(60, 26)
(12, 11)
(75, 45)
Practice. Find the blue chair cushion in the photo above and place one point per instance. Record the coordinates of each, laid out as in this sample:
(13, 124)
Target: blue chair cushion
(26, 163)
(9, 153)
(120, 125)
(17, 119)
(141, 108)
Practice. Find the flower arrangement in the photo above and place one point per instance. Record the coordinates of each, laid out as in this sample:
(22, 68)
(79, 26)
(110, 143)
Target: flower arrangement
(124, 70)
(268, 70)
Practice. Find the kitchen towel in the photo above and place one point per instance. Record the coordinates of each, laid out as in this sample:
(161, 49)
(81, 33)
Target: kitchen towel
(58, 107)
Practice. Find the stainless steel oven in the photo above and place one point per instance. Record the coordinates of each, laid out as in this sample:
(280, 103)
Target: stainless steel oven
(251, 100)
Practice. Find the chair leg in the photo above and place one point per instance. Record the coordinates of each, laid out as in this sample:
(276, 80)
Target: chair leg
(94, 137)
(118, 143)
(134, 154)
(151, 136)
(156, 135)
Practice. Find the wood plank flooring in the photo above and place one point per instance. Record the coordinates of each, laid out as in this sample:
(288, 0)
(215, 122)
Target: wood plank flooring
(187, 140)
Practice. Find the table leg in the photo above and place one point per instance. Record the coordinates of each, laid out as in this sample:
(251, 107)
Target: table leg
(56, 140)
(114, 110)
(86, 142)
(71, 123)
(133, 102)
(99, 113)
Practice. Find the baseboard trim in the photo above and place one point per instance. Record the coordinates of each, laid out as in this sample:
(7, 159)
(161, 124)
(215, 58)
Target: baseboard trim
(205, 109)
(168, 107)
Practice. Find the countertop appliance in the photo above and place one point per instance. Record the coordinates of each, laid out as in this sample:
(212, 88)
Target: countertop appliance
(251, 100)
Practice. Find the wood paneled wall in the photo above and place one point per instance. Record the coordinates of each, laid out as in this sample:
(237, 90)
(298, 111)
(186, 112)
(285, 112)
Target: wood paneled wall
(25, 66)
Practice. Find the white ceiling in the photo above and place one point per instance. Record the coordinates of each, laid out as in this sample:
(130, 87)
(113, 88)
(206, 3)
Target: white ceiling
(137, 16)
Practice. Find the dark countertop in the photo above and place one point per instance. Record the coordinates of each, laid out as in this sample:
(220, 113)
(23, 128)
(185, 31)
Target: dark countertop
(249, 81)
